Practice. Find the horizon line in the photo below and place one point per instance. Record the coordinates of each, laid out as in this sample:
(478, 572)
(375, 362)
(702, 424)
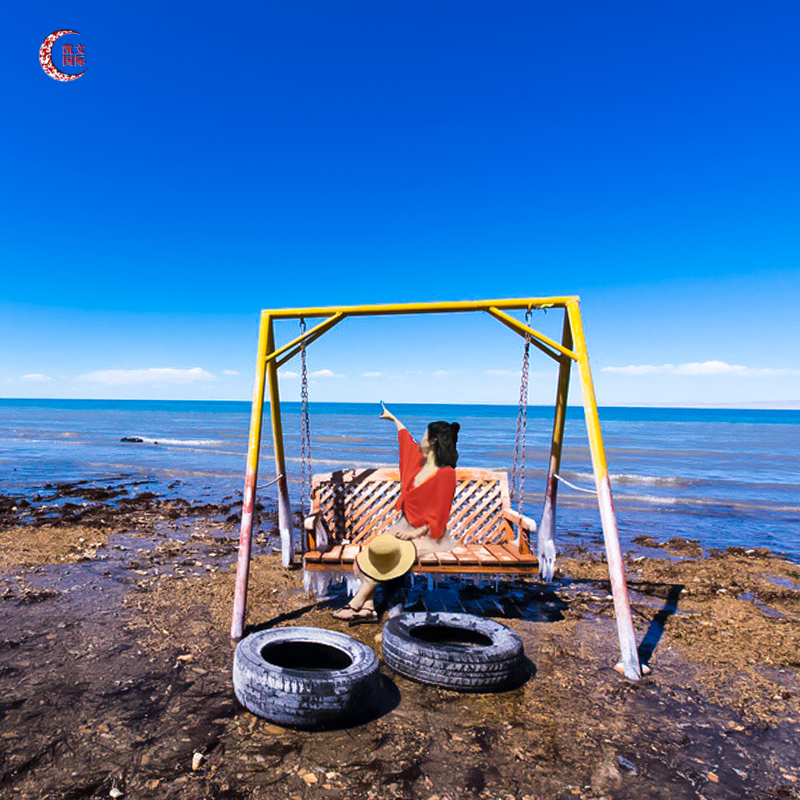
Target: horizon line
(765, 405)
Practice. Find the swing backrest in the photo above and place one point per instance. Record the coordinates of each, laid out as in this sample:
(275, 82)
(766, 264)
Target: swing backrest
(356, 504)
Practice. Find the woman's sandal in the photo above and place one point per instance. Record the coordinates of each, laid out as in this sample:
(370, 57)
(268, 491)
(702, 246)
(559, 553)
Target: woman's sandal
(365, 616)
(345, 613)
(356, 616)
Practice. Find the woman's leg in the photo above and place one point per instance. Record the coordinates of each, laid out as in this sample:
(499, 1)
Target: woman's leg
(363, 603)
(395, 593)
(365, 596)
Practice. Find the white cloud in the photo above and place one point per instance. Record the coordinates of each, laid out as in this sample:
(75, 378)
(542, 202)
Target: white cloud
(132, 377)
(229, 372)
(324, 373)
(36, 377)
(639, 369)
(319, 373)
(709, 368)
(699, 368)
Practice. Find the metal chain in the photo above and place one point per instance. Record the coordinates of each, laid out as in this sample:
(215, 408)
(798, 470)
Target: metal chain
(305, 428)
(518, 464)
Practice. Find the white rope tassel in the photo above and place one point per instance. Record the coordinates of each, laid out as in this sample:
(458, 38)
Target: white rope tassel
(318, 582)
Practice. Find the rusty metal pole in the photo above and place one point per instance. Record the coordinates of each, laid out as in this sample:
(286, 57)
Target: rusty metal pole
(285, 525)
(547, 527)
(248, 503)
(616, 569)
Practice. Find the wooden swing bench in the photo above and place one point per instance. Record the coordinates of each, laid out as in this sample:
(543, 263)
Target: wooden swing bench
(357, 504)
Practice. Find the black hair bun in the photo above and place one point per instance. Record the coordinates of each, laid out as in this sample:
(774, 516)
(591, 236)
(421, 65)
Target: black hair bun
(455, 428)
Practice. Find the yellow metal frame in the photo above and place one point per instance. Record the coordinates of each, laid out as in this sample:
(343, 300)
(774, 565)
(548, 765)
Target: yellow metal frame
(572, 348)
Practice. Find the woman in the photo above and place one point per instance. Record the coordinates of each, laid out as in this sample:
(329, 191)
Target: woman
(427, 487)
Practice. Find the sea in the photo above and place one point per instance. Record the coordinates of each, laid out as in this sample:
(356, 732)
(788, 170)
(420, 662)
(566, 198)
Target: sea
(721, 477)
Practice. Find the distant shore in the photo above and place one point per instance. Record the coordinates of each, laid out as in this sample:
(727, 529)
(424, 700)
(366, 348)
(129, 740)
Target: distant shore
(767, 405)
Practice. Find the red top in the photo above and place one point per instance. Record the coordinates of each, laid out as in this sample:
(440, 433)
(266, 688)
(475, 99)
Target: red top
(429, 503)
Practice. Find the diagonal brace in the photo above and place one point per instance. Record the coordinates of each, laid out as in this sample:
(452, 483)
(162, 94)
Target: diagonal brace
(307, 338)
(544, 343)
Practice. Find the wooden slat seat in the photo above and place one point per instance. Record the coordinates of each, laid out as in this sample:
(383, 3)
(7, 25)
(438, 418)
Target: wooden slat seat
(355, 505)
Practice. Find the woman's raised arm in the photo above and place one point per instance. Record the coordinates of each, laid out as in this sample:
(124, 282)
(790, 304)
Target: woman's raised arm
(386, 414)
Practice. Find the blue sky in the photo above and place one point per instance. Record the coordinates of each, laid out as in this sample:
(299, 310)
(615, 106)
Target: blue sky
(216, 160)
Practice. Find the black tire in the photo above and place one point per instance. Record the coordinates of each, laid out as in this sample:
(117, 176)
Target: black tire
(305, 677)
(454, 651)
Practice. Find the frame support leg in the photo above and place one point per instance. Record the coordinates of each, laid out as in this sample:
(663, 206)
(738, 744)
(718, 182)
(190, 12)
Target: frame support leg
(547, 527)
(616, 569)
(285, 523)
(248, 504)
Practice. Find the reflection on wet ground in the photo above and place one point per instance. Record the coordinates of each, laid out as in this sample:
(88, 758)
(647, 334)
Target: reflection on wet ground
(784, 583)
(749, 597)
(485, 597)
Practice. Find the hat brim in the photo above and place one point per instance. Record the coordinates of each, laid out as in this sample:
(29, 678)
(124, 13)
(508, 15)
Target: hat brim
(408, 555)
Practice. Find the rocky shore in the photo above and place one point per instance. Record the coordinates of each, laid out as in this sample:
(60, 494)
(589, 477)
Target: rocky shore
(115, 669)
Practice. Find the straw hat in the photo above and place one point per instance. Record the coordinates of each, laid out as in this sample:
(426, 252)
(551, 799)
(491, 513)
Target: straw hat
(386, 557)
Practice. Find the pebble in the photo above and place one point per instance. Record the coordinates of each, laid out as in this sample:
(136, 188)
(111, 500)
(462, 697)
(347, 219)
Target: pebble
(627, 765)
(197, 759)
(276, 729)
(116, 792)
(310, 778)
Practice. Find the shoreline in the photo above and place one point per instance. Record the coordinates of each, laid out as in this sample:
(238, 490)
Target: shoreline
(117, 620)
(90, 500)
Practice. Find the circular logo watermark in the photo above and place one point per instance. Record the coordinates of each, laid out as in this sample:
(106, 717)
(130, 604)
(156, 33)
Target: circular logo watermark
(73, 55)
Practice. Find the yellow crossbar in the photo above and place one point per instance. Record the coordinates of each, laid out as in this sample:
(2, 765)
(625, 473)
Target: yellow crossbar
(423, 308)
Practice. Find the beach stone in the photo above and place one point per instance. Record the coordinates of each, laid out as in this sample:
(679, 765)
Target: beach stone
(276, 729)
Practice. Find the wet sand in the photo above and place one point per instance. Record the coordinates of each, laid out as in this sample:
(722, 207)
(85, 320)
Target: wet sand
(115, 670)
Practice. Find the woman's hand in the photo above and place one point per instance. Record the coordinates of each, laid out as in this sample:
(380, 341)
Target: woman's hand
(414, 533)
(386, 414)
